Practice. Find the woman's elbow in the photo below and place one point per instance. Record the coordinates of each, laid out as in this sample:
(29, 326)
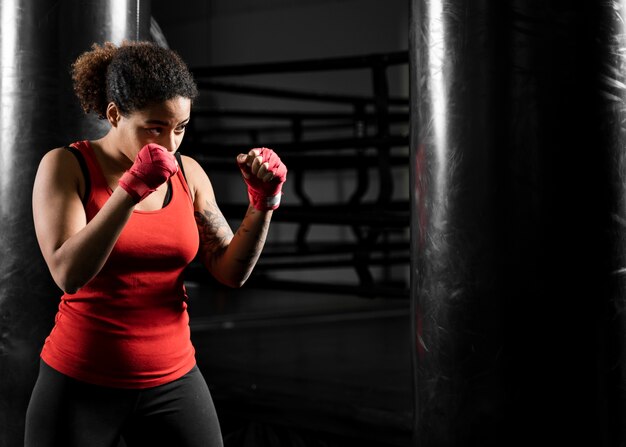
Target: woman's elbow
(67, 280)
(67, 285)
(70, 290)
(236, 284)
(233, 283)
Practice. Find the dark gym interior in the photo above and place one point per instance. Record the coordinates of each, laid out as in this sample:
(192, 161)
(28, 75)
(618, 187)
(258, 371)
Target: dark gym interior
(447, 267)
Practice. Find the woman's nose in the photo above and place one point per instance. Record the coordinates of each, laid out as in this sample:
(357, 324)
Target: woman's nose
(169, 142)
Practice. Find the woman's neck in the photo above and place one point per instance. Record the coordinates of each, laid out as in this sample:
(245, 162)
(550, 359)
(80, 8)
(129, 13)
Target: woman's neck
(112, 154)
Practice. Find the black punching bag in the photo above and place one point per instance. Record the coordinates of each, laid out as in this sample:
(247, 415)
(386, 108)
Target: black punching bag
(27, 113)
(83, 22)
(518, 175)
(38, 41)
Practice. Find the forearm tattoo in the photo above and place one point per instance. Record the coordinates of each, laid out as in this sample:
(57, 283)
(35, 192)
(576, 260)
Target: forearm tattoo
(215, 233)
(216, 238)
(247, 260)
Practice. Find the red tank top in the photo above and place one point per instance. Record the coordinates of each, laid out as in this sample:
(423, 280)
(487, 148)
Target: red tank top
(128, 327)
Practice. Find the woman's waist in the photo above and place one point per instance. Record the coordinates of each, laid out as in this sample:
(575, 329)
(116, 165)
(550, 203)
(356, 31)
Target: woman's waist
(118, 359)
(124, 317)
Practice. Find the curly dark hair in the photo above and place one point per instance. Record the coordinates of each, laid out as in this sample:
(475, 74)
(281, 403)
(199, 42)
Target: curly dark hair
(132, 76)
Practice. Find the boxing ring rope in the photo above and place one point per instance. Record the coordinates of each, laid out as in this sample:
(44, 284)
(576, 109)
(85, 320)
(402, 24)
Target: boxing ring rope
(374, 144)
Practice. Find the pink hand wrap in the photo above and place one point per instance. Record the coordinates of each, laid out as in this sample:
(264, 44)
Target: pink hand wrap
(153, 166)
(265, 195)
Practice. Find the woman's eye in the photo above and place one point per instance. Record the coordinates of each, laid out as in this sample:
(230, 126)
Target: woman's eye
(154, 130)
(181, 129)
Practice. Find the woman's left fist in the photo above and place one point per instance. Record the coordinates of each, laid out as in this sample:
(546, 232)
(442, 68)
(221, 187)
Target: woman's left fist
(264, 173)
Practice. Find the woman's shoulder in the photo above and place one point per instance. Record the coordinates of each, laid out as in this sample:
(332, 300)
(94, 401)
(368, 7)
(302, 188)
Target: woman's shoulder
(190, 162)
(196, 176)
(60, 163)
(193, 170)
(57, 155)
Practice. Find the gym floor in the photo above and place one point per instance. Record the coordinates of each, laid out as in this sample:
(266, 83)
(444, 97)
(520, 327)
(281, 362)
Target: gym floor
(301, 368)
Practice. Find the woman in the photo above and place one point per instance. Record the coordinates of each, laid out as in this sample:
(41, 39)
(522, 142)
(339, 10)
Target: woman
(118, 219)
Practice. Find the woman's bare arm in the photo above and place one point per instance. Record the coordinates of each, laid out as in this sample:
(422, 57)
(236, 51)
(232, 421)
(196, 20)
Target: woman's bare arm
(229, 257)
(74, 250)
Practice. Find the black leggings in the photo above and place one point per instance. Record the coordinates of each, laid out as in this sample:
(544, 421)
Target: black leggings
(69, 413)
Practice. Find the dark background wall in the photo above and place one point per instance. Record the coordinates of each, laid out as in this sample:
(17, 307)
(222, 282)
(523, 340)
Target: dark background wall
(297, 364)
(218, 32)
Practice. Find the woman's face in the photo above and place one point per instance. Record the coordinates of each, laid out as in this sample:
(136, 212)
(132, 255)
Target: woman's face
(161, 123)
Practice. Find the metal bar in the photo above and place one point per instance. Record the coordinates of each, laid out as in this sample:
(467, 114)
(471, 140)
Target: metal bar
(358, 162)
(305, 200)
(386, 184)
(335, 215)
(246, 322)
(238, 130)
(326, 248)
(273, 128)
(328, 263)
(293, 94)
(290, 114)
(288, 148)
(198, 274)
(373, 291)
(276, 319)
(381, 95)
(317, 163)
(330, 64)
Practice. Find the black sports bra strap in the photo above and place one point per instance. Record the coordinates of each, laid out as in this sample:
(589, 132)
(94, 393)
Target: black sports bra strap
(179, 159)
(180, 163)
(83, 167)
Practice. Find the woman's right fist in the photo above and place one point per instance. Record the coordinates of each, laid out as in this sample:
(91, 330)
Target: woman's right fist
(153, 166)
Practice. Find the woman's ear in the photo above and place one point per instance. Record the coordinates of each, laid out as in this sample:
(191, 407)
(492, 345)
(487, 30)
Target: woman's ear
(113, 114)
